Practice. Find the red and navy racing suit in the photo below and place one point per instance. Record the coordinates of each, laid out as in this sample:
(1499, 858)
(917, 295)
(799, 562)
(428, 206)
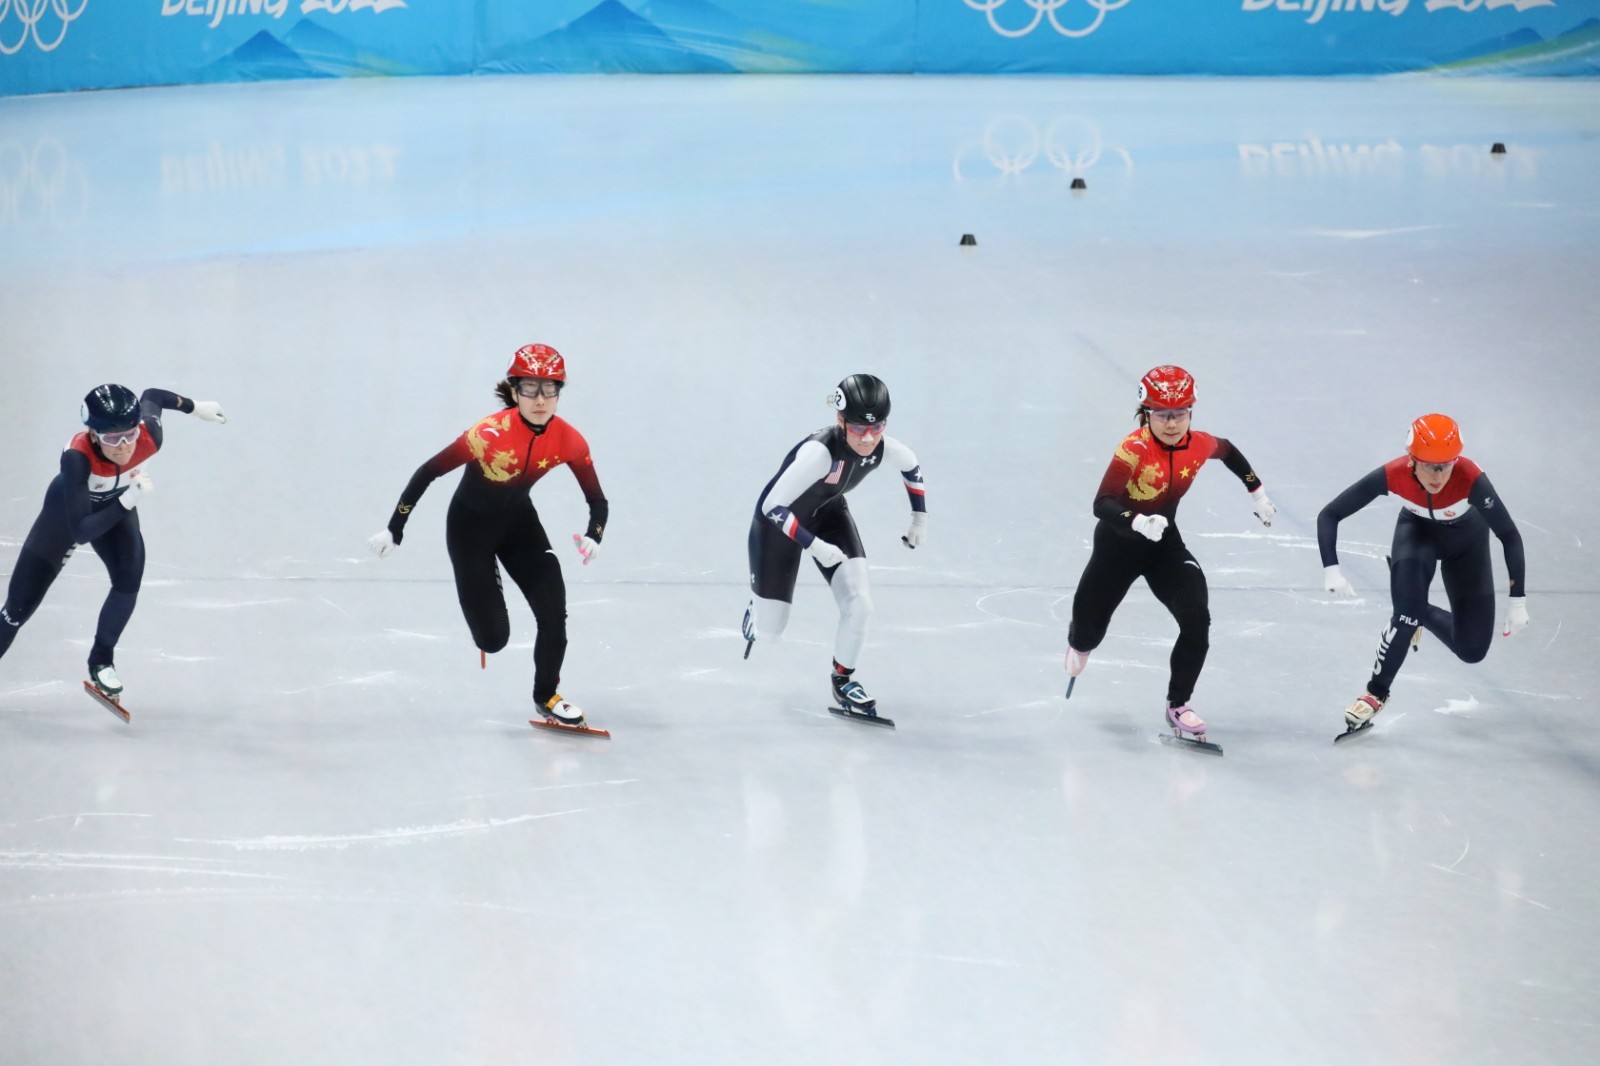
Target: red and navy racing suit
(491, 517)
(1448, 531)
(82, 506)
(1146, 477)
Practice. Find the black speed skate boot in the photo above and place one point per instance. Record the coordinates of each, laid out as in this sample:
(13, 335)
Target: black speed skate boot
(849, 694)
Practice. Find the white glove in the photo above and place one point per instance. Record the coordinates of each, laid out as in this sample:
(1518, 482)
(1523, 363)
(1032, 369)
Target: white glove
(1334, 582)
(1150, 525)
(586, 547)
(209, 411)
(141, 485)
(1264, 508)
(382, 543)
(825, 554)
(918, 531)
(1516, 616)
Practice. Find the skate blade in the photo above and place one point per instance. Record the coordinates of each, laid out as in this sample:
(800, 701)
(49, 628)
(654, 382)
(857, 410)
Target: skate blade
(112, 705)
(747, 646)
(1352, 732)
(857, 716)
(1070, 682)
(1193, 744)
(561, 727)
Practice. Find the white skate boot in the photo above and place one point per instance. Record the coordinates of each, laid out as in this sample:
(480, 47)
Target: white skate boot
(105, 679)
(1359, 715)
(561, 710)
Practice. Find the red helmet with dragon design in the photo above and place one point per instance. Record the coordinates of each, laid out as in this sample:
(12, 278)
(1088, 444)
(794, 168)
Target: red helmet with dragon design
(1166, 388)
(538, 361)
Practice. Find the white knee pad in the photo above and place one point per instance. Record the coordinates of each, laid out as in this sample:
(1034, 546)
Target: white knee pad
(772, 618)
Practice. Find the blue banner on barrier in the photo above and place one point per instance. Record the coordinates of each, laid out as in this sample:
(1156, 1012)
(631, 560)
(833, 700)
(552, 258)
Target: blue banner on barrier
(56, 45)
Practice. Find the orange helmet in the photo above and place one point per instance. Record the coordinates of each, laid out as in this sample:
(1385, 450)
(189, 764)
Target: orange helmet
(538, 361)
(1434, 439)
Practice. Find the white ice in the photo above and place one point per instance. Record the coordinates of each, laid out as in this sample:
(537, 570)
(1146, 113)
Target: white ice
(328, 837)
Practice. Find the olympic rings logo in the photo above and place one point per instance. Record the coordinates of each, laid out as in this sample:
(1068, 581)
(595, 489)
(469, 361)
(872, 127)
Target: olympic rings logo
(30, 13)
(1013, 145)
(1043, 9)
(40, 184)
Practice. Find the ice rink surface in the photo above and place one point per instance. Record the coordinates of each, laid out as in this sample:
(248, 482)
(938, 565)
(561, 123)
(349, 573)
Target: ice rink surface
(328, 837)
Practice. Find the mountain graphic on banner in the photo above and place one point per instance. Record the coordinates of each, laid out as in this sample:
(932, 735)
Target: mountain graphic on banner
(609, 37)
(308, 50)
(261, 58)
(1573, 53)
(328, 51)
(745, 46)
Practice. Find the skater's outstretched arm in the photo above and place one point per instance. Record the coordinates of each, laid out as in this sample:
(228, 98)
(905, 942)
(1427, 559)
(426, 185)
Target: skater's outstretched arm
(454, 455)
(1232, 458)
(582, 465)
(812, 462)
(1488, 503)
(1342, 506)
(905, 461)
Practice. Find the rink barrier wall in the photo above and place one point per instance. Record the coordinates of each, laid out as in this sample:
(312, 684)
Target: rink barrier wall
(62, 45)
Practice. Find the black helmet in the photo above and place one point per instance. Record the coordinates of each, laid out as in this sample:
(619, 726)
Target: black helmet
(862, 398)
(110, 408)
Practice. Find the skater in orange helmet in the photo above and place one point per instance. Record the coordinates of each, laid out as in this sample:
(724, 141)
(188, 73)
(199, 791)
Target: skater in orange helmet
(1447, 509)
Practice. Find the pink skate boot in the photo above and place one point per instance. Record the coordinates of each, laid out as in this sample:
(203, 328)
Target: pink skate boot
(1184, 720)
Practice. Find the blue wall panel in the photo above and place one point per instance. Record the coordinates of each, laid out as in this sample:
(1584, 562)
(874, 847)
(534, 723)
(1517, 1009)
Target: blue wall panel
(55, 45)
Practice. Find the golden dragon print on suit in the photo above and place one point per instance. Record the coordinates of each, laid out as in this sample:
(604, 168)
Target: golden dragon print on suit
(498, 464)
(1143, 485)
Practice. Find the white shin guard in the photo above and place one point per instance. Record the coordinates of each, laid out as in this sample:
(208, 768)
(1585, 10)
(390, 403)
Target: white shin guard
(853, 593)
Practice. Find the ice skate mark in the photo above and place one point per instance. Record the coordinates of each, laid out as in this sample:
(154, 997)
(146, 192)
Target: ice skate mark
(1553, 636)
(229, 605)
(1367, 234)
(1496, 887)
(1458, 706)
(30, 689)
(155, 864)
(1257, 629)
(1287, 540)
(685, 675)
(406, 835)
(1542, 695)
(365, 679)
(1465, 847)
(981, 604)
(185, 658)
(934, 956)
(414, 636)
(1133, 664)
(335, 606)
(1051, 702)
(476, 796)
